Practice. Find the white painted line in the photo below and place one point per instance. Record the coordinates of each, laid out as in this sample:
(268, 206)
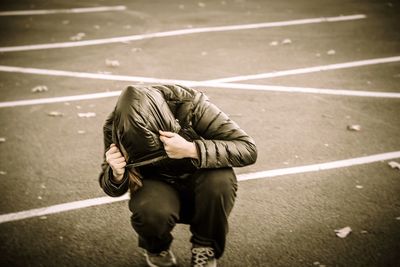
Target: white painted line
(50, 100)
(179, 32)
(236, 86)
(306, 90)
(60, 208)
(41, 101)
(88, 75)
(321, 166)
(274, 74)
(60, 11)
(242, 177)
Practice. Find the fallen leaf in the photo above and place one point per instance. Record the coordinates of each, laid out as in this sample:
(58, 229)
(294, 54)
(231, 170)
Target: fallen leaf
(39, 89)
(87, 115)
(331, 52)
(3, 173)
(78, 36)
(2, 139)
(39, 197)
(55, 114)
(273, 43)
(344, 232)
(398, 218)
(394, 165)
(354, 127)
(286, 41)
(359, 186)
(112, 63)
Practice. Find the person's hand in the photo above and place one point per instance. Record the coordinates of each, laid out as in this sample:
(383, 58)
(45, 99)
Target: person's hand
(177, 147)
(116, 161)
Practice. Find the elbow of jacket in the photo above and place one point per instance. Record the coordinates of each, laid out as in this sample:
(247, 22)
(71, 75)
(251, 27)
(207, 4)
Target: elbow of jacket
(253, 153)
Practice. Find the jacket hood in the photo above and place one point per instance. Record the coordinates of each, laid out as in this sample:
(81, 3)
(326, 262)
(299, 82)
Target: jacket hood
(139, 114)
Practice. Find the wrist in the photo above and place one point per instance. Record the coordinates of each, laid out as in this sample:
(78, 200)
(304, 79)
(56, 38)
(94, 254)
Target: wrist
(117, 178)
(192, 151)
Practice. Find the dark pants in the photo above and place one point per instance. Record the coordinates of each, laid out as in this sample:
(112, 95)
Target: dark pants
(203, 200)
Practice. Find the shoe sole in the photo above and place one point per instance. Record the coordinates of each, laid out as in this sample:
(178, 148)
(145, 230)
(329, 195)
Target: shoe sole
(150, 264)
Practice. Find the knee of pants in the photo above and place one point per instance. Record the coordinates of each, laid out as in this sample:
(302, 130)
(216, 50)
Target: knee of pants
(220, 182)
(152, 221)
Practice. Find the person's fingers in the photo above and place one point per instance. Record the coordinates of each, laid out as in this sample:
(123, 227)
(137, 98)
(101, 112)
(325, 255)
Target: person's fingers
(112, 145)
(112, 150)
(166, 134)
(163, 139)
(120, 165)
(115, 155)
(119, 160)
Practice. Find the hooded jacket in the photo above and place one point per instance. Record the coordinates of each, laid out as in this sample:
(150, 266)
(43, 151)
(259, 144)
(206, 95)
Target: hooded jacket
(141, 112)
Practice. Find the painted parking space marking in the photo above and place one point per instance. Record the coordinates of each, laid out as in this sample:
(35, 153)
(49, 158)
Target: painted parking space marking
(345, 65)
(138, 79)
(15, 216)
(180, 32)
(339, 92)
(50, 100)
(62, 11)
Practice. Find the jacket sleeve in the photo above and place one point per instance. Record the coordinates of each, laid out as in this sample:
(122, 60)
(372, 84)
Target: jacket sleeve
(109, 187)
(223, 143)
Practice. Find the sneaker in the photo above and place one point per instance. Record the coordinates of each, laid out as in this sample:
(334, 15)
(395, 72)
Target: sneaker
(203, 257)
(163, 259)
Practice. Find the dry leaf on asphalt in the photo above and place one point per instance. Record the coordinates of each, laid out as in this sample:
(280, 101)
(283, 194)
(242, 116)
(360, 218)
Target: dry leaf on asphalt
(55, 114)
(394, 165)
(354, 127)
(286, 41)
(273, 43)
(3, 173)
(112, 63)
(344, 232)
(39, 89)
(2, 139)
(87, 115)
(78, 36)
(331, 52)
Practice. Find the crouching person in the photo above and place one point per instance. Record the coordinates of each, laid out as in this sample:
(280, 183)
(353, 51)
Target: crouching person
(174, 151)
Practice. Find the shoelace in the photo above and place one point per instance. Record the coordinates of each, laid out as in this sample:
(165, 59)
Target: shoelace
(201, 256)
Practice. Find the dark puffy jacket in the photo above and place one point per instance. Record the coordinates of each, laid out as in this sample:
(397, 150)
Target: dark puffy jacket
(142, 111)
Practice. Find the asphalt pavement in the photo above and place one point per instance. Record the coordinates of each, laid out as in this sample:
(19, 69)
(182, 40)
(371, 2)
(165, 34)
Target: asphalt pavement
(284, 220)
